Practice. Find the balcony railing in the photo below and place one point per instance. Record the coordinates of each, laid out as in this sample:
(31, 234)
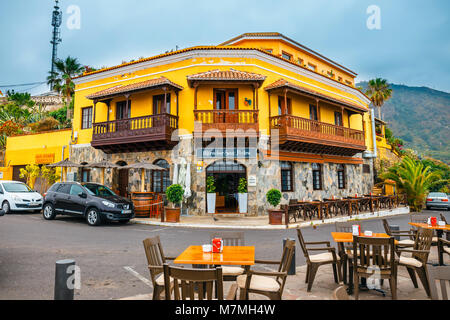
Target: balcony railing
(292, 126)
(224, 120)
(134, 130)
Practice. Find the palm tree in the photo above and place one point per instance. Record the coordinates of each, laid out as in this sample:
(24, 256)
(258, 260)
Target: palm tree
(412, 178)
(379, 92)
(66, 70)
(54, 81)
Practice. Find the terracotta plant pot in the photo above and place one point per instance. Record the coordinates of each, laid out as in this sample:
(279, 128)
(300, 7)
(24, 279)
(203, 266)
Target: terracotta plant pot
(276, 217)
(172, 214)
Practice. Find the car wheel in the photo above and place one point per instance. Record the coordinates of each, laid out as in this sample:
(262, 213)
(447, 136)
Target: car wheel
(93, 217)
(123, 221)
(428, 208)
(49, 212)
(6, 208)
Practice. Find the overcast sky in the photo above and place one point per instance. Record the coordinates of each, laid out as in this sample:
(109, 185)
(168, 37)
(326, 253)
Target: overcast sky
(412, 47)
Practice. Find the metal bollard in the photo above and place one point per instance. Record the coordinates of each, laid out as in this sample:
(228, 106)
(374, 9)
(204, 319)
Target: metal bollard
(395, 228)
(62, 275)
(291, 271)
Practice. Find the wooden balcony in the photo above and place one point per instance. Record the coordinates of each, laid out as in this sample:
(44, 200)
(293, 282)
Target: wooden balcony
(240, 122)
(135, 134)
(305, 135)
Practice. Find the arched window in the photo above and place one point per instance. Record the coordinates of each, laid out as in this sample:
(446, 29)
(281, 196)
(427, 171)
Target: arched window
(317, 176)
(161, 179)
(341, 176)
(287, 176)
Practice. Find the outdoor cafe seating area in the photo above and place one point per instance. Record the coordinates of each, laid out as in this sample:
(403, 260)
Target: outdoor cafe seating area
(360, 261)
(297, 211)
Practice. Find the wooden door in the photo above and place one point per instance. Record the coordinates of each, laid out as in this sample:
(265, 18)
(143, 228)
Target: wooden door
(123, 183)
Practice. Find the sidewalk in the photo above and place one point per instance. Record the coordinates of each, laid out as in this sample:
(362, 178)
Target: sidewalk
(234, 221)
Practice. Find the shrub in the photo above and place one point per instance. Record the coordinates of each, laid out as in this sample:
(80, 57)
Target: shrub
(46, 124)
(242, 188)
(210, 185)
(175, 193)
(274, 197)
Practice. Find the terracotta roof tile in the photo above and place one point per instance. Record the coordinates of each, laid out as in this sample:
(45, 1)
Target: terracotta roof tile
(227, 75)
(281, 83)
(133, 87)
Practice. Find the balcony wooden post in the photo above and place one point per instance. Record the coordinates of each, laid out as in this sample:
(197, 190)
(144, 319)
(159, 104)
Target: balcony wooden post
(95, 105)
(165, 100)
(284, 111)
(176, 93)
(127, 96)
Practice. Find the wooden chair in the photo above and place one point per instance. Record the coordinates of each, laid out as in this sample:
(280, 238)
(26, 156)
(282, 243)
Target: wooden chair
(393, 233)
(374, 257)
(340, 293)
(194, 284)
(345, 250)
(441, 274)
(417, 263)
(447, 233)
(313, 262)
(230, 273)
(422, 218)
(269, 284)
(443, 248)
(156, 259)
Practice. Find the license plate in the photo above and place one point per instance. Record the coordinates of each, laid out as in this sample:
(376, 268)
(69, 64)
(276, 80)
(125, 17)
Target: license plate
(126, 211)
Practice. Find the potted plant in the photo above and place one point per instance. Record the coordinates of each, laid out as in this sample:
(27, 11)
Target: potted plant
(174, 194)
(274, 198)
(242, 195)
(211, 194)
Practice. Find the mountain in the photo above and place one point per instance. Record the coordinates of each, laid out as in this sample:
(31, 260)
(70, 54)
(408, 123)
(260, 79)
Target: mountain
(420, 116)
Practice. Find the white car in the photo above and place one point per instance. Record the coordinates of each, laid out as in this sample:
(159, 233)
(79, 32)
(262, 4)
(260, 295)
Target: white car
(17, 196)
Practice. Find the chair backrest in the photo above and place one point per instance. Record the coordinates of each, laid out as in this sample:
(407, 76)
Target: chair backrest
(440, 274)
(229, 238)
(286, 259)
(346, 226)
(443, 218)
(155, 255)
(340, 293)
(192, 284)
(423, 241)
(386, 226)
(301, 240)
(419, 218)
(372, 253)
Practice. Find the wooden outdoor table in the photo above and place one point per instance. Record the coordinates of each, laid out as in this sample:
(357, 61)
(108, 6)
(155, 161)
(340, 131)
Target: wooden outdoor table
(231, 255)
(439, 229)
(347, 237)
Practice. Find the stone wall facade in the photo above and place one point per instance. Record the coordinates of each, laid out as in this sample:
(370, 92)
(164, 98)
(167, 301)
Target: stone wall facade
(267, 173)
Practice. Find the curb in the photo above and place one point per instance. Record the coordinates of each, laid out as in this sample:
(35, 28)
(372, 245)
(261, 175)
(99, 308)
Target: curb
(368, 215)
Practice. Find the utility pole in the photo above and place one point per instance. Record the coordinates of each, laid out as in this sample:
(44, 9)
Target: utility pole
(56, 39)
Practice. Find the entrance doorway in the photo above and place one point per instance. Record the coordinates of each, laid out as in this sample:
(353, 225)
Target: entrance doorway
(123, 180)
(226, 176)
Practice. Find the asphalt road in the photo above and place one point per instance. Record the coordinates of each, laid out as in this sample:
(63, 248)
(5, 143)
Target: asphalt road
(111, 257)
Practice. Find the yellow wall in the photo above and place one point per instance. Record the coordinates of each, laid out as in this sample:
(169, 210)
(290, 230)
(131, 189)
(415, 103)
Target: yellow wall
(278, 47)
(22, 150)
(178, 71)
(7, 173)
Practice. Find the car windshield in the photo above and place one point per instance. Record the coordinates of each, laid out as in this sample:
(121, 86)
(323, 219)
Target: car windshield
(438, 194)
(16, 187)
(98, 190)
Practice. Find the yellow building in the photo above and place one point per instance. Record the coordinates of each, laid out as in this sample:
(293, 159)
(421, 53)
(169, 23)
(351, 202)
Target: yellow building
(292, 120)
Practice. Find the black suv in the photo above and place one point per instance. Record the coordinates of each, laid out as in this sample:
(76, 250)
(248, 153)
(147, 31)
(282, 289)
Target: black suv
(93, 201)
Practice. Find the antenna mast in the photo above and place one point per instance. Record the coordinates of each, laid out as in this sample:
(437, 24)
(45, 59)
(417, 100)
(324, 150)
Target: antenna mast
(56, 39)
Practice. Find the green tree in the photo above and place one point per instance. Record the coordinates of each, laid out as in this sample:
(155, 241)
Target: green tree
(414, 179)
(61, 80)
(379, 92)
